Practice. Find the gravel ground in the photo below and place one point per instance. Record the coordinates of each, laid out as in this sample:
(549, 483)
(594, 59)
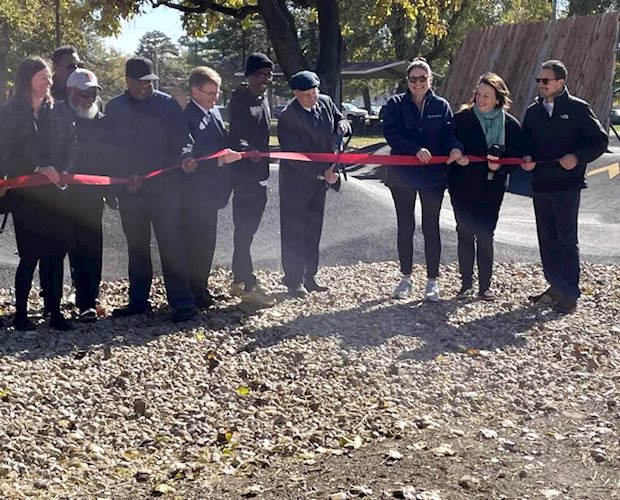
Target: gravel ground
(343, 394)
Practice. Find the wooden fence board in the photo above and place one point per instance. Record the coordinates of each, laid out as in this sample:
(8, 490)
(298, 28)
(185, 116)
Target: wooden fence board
(585, 44)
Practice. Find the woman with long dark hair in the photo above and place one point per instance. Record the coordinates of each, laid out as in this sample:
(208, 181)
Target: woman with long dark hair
(487, 130)
(419, 123)
(40, 230)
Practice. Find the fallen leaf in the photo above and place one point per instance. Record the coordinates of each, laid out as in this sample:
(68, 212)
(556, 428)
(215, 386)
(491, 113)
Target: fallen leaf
(360, 491)
(161, 489)
(242, 390)
(394, 455)
(444, 450)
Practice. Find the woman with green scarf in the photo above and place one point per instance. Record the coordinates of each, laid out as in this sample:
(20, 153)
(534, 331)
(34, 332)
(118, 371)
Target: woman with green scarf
(477, 189)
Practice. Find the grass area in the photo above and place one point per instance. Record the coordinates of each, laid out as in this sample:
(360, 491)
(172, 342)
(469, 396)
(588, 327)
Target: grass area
(358, 141)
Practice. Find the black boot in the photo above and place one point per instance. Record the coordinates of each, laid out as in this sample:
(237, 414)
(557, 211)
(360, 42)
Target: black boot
(58, 322)
(23, 323)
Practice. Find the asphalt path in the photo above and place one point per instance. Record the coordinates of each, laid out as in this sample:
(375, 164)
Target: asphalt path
(360, 225)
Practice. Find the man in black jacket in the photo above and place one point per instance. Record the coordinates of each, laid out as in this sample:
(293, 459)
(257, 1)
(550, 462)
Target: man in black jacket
(76, 140)
(310, 123)
(250, 118)
(562, 135)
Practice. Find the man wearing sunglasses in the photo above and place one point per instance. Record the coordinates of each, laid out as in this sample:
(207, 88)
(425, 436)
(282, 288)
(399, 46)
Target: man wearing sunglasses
(562, 136)
(65, 60)
(76, 146)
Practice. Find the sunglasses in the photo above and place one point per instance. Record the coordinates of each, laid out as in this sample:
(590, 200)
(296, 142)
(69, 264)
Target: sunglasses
(74, 65)
(545, 81)
(421, 78)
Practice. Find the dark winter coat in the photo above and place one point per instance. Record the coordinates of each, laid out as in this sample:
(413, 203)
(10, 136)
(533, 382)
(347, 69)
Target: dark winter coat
(476, 178)
(408, 129)
(250, 119)
(40, 228)
(144, 136)
(304, 131)
(573, 128)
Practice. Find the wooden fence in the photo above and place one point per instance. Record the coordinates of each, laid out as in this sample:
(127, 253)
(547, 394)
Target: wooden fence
(587, 45)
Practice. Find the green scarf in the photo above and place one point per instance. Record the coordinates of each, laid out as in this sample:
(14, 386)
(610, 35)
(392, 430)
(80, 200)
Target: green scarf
(493, 125)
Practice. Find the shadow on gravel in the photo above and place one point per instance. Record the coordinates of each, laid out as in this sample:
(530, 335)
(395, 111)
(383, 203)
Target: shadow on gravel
(371, 325)
(91, 339)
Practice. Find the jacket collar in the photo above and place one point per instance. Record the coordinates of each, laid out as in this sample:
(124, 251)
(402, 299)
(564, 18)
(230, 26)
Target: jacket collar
(561, 98)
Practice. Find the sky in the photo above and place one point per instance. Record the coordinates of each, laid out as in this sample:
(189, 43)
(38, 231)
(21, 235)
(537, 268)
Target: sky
(161, 19)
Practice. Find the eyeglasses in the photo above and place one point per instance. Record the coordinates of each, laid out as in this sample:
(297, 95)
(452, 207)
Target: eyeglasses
(208, 94)
(545, 81)
(421, 78)
(74, 65)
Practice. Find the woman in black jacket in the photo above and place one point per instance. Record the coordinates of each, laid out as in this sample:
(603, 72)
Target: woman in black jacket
(477, 189)
(41, 232)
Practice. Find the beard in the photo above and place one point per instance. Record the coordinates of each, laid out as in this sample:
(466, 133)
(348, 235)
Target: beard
(86, 113)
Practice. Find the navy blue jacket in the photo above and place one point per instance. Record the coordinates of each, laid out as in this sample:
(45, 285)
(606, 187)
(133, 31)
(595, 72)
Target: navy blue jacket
(573, 128)
(301, 131)
(209, 137)
(407, 130)
(147, 135)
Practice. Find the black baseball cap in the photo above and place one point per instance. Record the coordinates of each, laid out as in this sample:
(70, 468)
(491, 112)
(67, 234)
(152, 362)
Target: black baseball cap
(140, 68)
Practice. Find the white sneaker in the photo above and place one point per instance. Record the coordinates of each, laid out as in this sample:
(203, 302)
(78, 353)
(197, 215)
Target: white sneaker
(403, 290)
(432, 291)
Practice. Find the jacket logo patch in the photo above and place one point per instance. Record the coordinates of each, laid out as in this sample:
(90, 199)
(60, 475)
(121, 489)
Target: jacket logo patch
(564, 117)
(434, 116)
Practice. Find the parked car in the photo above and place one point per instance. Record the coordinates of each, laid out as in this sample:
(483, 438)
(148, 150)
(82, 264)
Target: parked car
(614, 115)
(352, 112)
(375, 110)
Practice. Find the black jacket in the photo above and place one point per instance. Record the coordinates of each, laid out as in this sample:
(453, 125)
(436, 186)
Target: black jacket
(476, 176)
(407, 130)
(37, 211)
(573, 128)
(300, 131)
(250, 119)
(209, 137)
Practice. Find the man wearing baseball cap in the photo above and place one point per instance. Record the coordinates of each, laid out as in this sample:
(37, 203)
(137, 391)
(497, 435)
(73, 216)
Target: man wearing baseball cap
(146, 132)
(310, 123)
(250, 119)
(76, 146)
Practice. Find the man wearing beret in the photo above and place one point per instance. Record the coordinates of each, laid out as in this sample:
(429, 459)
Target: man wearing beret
(250, 119)
(147, 131)
(310, 123)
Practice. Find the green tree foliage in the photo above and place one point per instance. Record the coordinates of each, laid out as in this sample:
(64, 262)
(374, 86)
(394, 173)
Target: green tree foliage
(159, 48)
(27, 28)
(589, 7)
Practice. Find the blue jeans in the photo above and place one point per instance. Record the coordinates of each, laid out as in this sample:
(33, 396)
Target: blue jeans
(163, 211)
(556, 225)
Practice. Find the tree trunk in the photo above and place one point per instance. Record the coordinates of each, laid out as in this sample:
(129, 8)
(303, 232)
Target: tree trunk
(329, 64)
(283, 35)
(4, 70)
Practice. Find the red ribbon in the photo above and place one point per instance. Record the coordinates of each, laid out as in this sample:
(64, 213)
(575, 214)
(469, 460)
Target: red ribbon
(345, 158)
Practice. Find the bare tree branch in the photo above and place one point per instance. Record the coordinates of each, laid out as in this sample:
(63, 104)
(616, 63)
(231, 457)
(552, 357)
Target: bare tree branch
(202, 6)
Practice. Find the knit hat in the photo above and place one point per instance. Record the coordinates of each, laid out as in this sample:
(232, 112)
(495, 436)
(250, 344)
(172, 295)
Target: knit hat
(257, 61)
(304, 80)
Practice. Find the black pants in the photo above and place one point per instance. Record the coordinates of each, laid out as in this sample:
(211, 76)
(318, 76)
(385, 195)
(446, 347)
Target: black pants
(248, 206)
(301, 224)
(163, 211)
(51, 275)
(556, 225)
(476, 216)
(404, 201)
(85, 255)
(199, 228)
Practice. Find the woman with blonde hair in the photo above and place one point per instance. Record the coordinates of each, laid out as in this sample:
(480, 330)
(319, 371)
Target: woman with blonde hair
(487, 130)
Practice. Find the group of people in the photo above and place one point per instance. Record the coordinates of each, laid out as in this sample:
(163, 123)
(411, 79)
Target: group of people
(559, 136)
(56, 123)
